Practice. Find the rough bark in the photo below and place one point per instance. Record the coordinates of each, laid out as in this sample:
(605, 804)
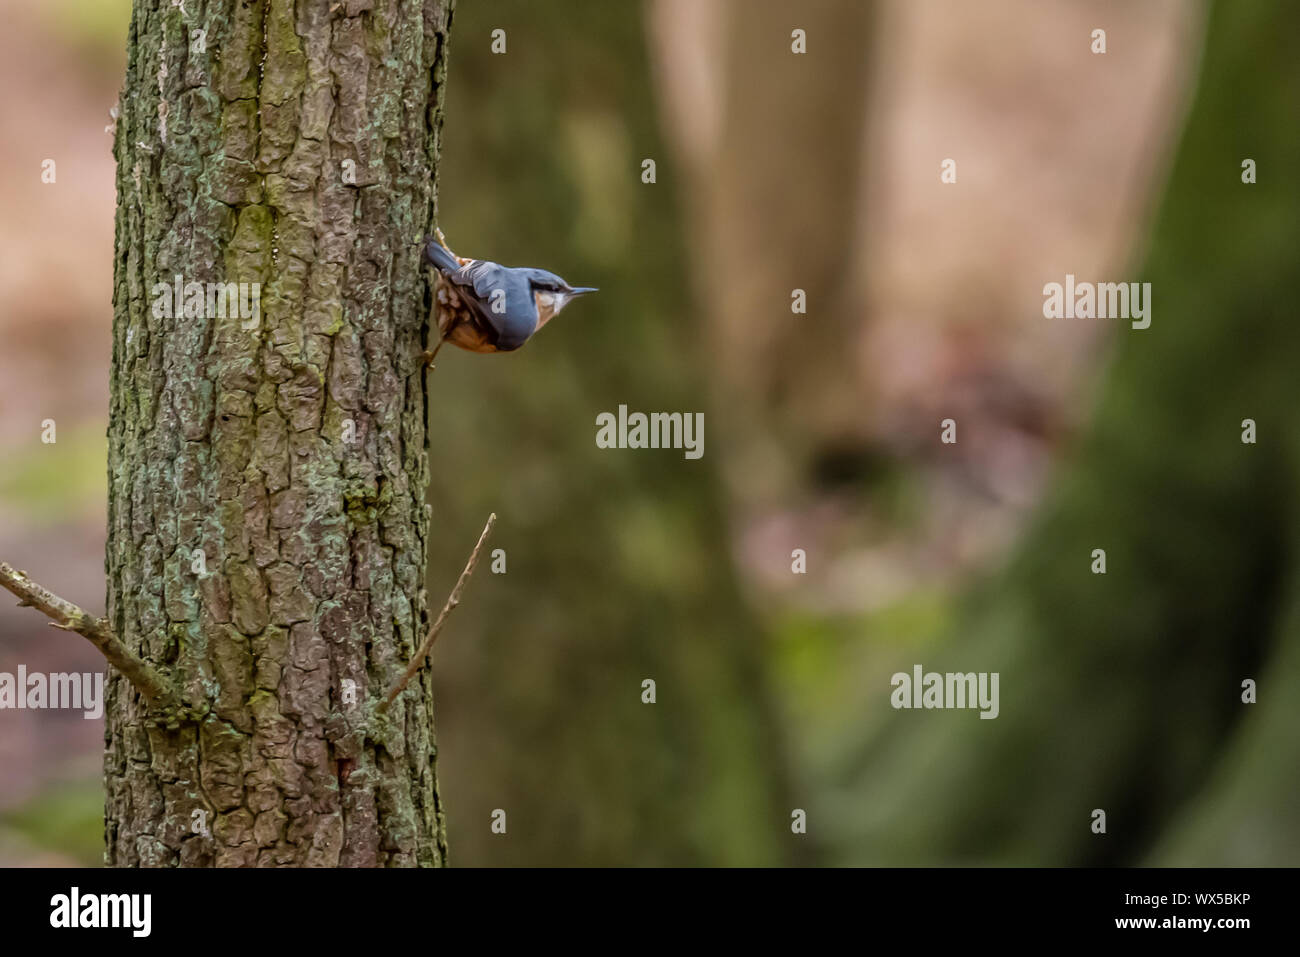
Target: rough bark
(231, 154)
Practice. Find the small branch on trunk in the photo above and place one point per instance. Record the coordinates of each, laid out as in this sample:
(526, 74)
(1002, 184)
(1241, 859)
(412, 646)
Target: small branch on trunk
(67, 616)
(453, 600)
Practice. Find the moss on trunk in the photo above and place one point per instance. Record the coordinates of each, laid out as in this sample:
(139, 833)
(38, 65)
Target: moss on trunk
(267, 526)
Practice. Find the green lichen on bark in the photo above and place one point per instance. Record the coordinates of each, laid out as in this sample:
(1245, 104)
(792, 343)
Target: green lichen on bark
(238, 120)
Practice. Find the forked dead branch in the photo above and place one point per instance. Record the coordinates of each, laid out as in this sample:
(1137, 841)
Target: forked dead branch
(67, 616)
(156, 690)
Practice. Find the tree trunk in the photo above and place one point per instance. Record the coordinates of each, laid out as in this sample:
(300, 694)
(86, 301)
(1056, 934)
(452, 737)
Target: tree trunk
(267, 525)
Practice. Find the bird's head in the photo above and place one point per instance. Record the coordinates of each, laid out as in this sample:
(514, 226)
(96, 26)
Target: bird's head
(551, 293)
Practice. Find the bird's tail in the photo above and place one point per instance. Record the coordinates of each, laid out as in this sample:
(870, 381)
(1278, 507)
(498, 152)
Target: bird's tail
(437, 255)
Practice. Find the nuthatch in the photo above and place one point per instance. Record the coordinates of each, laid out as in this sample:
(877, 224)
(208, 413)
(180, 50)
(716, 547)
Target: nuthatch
(486, 307)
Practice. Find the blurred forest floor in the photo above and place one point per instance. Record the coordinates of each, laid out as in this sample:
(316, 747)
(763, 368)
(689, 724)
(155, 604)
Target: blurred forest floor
(1058, 164)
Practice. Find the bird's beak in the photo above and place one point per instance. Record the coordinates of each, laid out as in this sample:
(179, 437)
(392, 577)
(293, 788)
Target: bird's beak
(581, 291)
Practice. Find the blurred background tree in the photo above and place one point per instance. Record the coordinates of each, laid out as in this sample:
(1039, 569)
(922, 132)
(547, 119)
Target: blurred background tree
(1124, 691)
(618, 562)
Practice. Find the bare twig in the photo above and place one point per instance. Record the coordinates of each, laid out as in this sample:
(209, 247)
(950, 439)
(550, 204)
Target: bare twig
(67, 616)
(453, 600)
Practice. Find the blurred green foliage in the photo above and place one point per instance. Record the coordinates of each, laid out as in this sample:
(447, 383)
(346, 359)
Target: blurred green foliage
(47, 482)
(95, 28)
(66, 819)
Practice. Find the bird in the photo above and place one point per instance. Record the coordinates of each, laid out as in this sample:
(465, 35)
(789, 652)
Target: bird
(486, 307)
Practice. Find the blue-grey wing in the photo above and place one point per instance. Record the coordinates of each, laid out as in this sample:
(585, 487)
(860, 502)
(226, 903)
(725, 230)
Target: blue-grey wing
(503, 298)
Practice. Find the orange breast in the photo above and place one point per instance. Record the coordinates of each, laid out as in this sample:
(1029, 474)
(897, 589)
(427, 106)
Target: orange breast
(459, 324)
